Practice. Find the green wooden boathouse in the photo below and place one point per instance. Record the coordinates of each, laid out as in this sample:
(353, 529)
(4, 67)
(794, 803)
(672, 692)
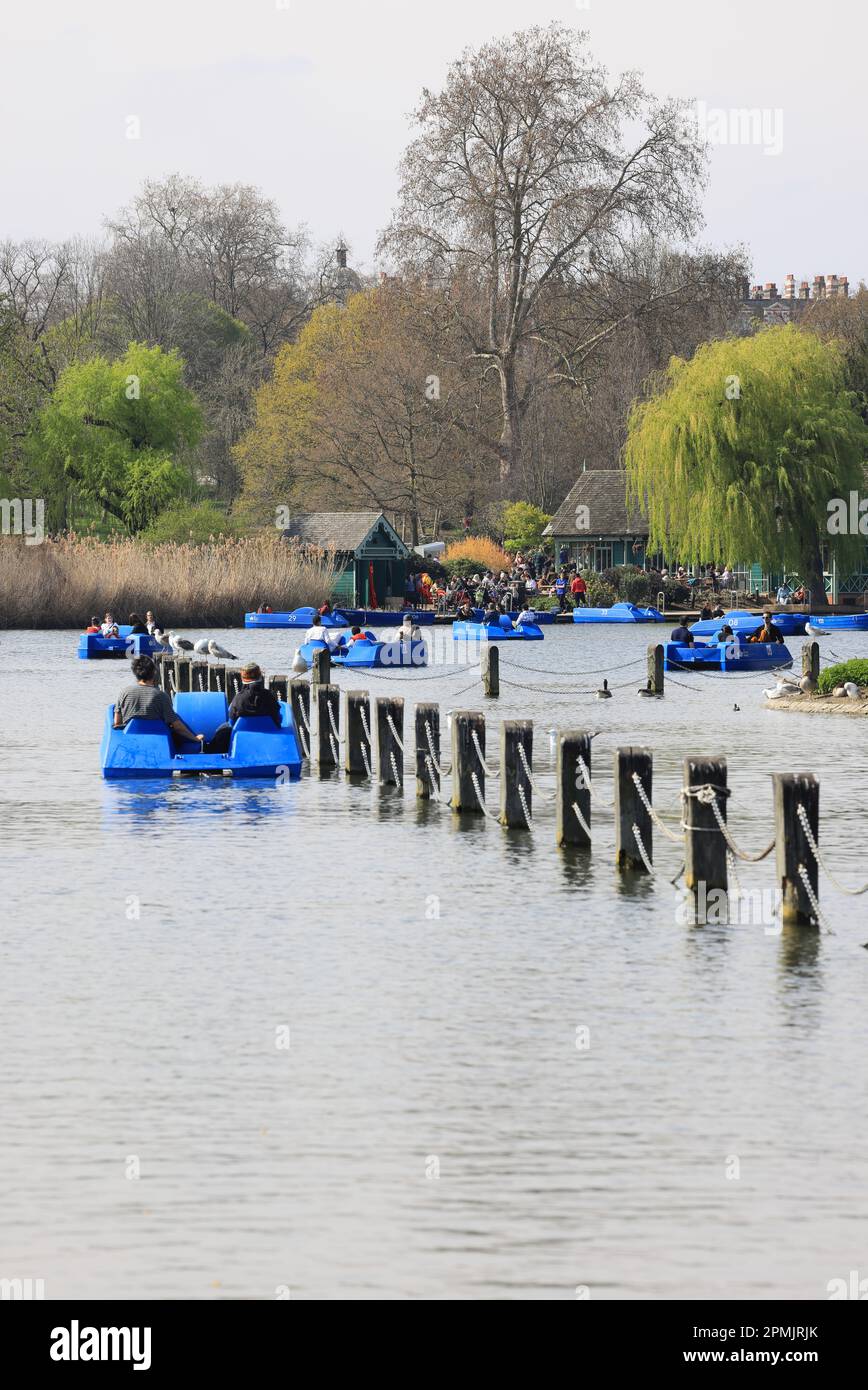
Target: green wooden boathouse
(370, 557)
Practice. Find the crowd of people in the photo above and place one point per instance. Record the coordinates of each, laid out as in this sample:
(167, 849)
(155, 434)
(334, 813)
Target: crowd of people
(529, 578)
(139, 627)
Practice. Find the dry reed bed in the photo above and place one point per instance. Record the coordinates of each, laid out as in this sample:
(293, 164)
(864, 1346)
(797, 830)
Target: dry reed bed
(60, 583)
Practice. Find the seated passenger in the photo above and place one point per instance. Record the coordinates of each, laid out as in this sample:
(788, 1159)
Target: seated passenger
(324, 610)
(464, 611)
(524, 615)
(705, 615)
(144, 701)
(356, 635)
(252, 701)
(725, 635)
(151, 622)
(317, 633)
(491, 616)
(769, 632)
(94, 626)
(137, 627)
(109, 627)
(682, 635)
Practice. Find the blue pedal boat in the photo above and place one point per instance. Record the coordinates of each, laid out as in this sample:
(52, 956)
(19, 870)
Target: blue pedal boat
(744, 623)
(838, 622)
(299, 617)
(370, 652)
(540, 615)
(93, 647)
(727, 656)
(145, 748)
(618, 613)
(502, 631)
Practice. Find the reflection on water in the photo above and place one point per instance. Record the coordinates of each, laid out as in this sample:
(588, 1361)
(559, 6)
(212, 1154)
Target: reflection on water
(582, 1064)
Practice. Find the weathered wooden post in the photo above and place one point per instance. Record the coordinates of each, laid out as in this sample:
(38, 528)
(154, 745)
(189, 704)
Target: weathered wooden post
(630, 809)
(161, 679)
(516, 770)
(233, 682)
(571, 790)
(811, 660)
(217, 677)
(390, 739)
(299, 699)
(489, 665)
(183, 674)
(357, 725)
(655, 668)
(792, 849)
(466, 762)
(199, 674)
(328, 750)
(705, 866)
(280, 686)
(427, 752)
(321, 668)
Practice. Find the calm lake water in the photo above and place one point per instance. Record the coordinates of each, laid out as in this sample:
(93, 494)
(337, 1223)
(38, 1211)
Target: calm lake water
(158, 942)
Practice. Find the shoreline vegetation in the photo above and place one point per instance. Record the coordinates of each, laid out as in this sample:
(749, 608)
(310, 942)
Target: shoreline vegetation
(61, 583)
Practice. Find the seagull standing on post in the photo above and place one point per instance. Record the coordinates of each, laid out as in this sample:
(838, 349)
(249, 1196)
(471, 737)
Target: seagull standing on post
(214, 649)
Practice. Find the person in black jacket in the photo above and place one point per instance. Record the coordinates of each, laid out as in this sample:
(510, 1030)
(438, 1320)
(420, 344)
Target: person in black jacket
(252, 701)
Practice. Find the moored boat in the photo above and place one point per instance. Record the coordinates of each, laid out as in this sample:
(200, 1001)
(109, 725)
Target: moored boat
(618, 613)
(745, 623)
(299, 617)
(837, 622)
(726, 656)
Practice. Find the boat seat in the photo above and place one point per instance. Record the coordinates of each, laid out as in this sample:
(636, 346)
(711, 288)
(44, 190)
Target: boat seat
(255, 724)
(146, 726)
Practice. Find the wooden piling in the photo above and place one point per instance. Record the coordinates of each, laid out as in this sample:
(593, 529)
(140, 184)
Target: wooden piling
(630, 810)
(233, 682)
(217, 677)
(183, 674)
(199, 675)
(516, 807)
(811, 659)
(791, 790)
(705, 864)
(280, 686)
(655, 668)
(358, 755)
(489, 665)
(161, 679)
(466, 762)
(299, 699)
(328, 751)
(427, 761)
(390, 736)
(570, 787)
(321, 667)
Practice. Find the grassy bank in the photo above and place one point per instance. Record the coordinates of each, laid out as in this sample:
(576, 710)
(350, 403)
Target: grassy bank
(60, 583)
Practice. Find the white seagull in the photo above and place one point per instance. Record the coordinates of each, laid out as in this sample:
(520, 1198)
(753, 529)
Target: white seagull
(160, 636)
(201, 646)
(179, 644)
(299, 665)
(214, 649)
(851, 689)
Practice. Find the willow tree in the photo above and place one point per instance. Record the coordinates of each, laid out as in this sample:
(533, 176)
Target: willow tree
(740, 453)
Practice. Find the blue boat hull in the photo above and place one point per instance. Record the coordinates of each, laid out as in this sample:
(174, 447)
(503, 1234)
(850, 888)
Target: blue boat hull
(299, 617)
(840, 622)
(744, 623)
(618, 613)
(146, 749)
(728, 656)
(92, 647)
(540, 616)
(365, 655)
(482, 632)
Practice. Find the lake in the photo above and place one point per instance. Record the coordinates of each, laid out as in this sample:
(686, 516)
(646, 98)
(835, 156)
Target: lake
(319, 1041)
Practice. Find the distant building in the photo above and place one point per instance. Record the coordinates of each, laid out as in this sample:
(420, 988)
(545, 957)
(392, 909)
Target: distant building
(594, 525)
(371, 559)
(340, 280)
(764, 304)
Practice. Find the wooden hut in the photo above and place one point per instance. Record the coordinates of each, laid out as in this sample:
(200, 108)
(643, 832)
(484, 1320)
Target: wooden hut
(371, 559)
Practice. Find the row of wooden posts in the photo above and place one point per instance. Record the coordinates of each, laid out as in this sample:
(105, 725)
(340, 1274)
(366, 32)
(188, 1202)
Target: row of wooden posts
(369, 744)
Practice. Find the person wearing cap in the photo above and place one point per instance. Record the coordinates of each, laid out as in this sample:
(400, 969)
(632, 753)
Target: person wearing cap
(253, 701)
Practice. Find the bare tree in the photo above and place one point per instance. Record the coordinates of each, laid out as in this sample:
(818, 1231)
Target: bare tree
(529, 176)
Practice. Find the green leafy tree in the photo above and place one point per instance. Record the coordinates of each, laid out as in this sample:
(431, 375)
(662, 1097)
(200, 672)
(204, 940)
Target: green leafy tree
(196, 522)
(739, 453)
(118, 430)
(523, 525)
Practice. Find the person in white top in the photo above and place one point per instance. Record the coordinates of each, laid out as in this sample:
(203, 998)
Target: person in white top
(317, 633)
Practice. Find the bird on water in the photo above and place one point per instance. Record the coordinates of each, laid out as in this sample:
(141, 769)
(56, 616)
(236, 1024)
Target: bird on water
(604, 693)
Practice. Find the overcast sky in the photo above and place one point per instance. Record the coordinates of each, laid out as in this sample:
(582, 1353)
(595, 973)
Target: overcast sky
(309, 101)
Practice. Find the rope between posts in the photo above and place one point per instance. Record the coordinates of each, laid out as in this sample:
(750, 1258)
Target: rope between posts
(523, 799)
(586, 778)
(732, 864)
(530, 777)
(441, 768)
(365, 723)
(815, 850)
(711, 800)
(637, 782)
(335, 729)
(592, 671)
(491, 771)
(366, 760)
(480, 798)
(582, 822)
(394, 732)
(812, 899)
(334, 748)
(399, 781)
(434, 785)
(645, 860)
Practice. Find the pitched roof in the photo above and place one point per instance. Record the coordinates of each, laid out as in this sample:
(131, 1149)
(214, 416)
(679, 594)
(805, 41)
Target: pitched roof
(603, 492)
(341, 531)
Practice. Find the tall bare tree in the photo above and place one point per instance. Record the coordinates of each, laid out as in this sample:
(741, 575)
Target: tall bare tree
(529, 177)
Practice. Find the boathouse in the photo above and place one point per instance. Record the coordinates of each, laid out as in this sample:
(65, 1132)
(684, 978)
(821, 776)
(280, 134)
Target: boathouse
(594, 525)
(370, 557)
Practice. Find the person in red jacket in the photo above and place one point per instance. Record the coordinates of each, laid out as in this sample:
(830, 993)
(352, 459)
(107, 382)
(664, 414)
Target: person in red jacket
(579, 591)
